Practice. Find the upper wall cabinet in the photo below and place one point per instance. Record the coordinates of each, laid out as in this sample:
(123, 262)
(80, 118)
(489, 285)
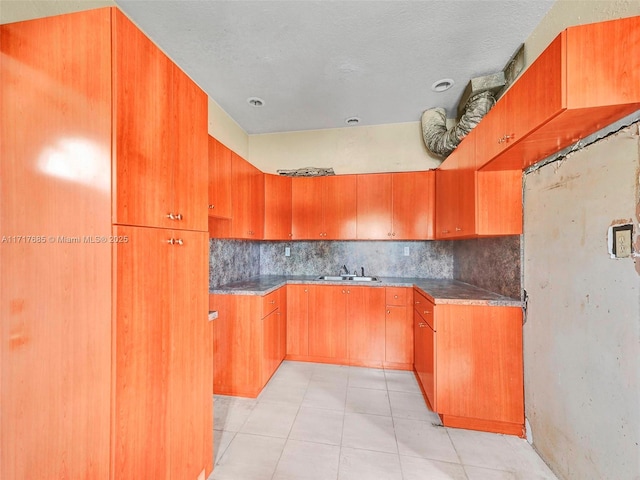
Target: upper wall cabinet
(471, 203)
(219, 179)
(324, 208)
(247, 183)
(277, 207)
(160, 131)
(586, 79)
(395, 206)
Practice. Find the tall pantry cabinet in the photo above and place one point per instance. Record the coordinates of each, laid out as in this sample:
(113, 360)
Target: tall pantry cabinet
(105, 367)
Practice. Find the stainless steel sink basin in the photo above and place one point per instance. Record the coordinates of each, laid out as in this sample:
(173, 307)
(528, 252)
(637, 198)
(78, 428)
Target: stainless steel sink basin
(341, 278)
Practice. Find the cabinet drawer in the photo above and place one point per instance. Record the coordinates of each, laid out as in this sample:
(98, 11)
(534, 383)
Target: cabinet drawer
(397, 295)
(425, 308)
(270, 302)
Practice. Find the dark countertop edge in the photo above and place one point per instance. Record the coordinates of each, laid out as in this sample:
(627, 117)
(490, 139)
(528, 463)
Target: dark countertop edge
(432, 288)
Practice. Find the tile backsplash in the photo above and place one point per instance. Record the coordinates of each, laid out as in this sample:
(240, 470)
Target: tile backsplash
(385, 259)
(489, 263)
(231, 260)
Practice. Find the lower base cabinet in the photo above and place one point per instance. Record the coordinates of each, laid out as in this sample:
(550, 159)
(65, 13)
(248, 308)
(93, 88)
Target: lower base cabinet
(350, 325)
(468, 360)
(249, 339)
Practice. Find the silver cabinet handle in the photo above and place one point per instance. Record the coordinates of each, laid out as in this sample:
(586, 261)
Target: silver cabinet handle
(171, 241)
(179, 241)
(426, 312)
(177, 216)
(422, 325)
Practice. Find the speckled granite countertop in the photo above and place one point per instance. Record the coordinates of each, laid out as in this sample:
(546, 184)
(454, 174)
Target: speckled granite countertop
(439, 291)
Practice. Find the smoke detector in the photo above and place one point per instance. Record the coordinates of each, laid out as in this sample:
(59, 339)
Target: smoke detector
(255, 102)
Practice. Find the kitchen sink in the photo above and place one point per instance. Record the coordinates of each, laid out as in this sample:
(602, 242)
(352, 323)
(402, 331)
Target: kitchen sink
(340, 278)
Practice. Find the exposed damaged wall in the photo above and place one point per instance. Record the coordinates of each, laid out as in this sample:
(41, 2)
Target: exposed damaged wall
(582, 335)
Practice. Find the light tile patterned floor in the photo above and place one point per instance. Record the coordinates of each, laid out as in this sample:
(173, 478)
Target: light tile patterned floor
(330, 422)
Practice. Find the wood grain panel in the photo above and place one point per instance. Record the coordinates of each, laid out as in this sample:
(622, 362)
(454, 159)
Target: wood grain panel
(297, 320)
(219, 179)
(398, 334)
(328, 321)
(236, 345)
(190, 152)
(55, 154)
(144, 144)
(339, 207)
(190, 357)
(374, 219)
(479, 351)
(603, 63)
(277, 207)
(306, 203)
(141, 340)
(498, 202)
(414, 205)
(366, 324)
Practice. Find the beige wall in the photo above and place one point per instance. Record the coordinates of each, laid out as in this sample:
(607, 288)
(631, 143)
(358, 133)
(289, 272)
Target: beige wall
(227, 131)
(384, 148)
(582, 334)
(18, 10)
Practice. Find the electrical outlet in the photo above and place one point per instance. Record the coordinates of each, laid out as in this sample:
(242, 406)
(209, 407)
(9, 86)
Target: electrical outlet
(406, 251)
(622, 240)
(287, 251)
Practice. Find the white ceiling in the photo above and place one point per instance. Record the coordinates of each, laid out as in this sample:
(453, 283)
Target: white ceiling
(316, 63)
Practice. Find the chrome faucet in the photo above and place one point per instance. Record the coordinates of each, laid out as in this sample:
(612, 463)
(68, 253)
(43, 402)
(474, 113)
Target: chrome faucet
(346, 270)
(362, 268)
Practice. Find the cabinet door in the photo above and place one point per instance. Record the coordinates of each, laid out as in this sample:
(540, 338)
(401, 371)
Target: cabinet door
(398, 334)
(277, 207)
(143, 309)
(465, 225)
(190, 354)
(297, 335)
(413, 205)
(219, 179)
(190, 153)
(306, 208)
(143, 85)
(425, 358)
(55, 299)
(248, 199)
(374, 204)
(327, 322)
(339, 207)
(270, 345)
(446, 199)
(366, 325)
(282, 325)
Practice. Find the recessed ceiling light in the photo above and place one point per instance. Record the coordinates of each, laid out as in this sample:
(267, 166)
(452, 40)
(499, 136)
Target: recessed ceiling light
(255, 101)
(352, 121)
(442, 85)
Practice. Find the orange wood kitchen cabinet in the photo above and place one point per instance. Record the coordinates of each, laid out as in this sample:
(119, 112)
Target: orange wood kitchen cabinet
(248, 199)
(472, 203)
(398, 328)
(297, 344)
(247, 342)
(469, 363)
(99, 336)
(219, 179)
(277, 207)
(55, 298)
(586, 79)
(395, 206)
(324, 208)
(161, 353)
(160, 136)
(456, 191)
(365, 326)
(328, 323)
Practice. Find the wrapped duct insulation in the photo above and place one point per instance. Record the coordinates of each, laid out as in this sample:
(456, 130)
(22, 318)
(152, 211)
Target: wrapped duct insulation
(442, 141)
